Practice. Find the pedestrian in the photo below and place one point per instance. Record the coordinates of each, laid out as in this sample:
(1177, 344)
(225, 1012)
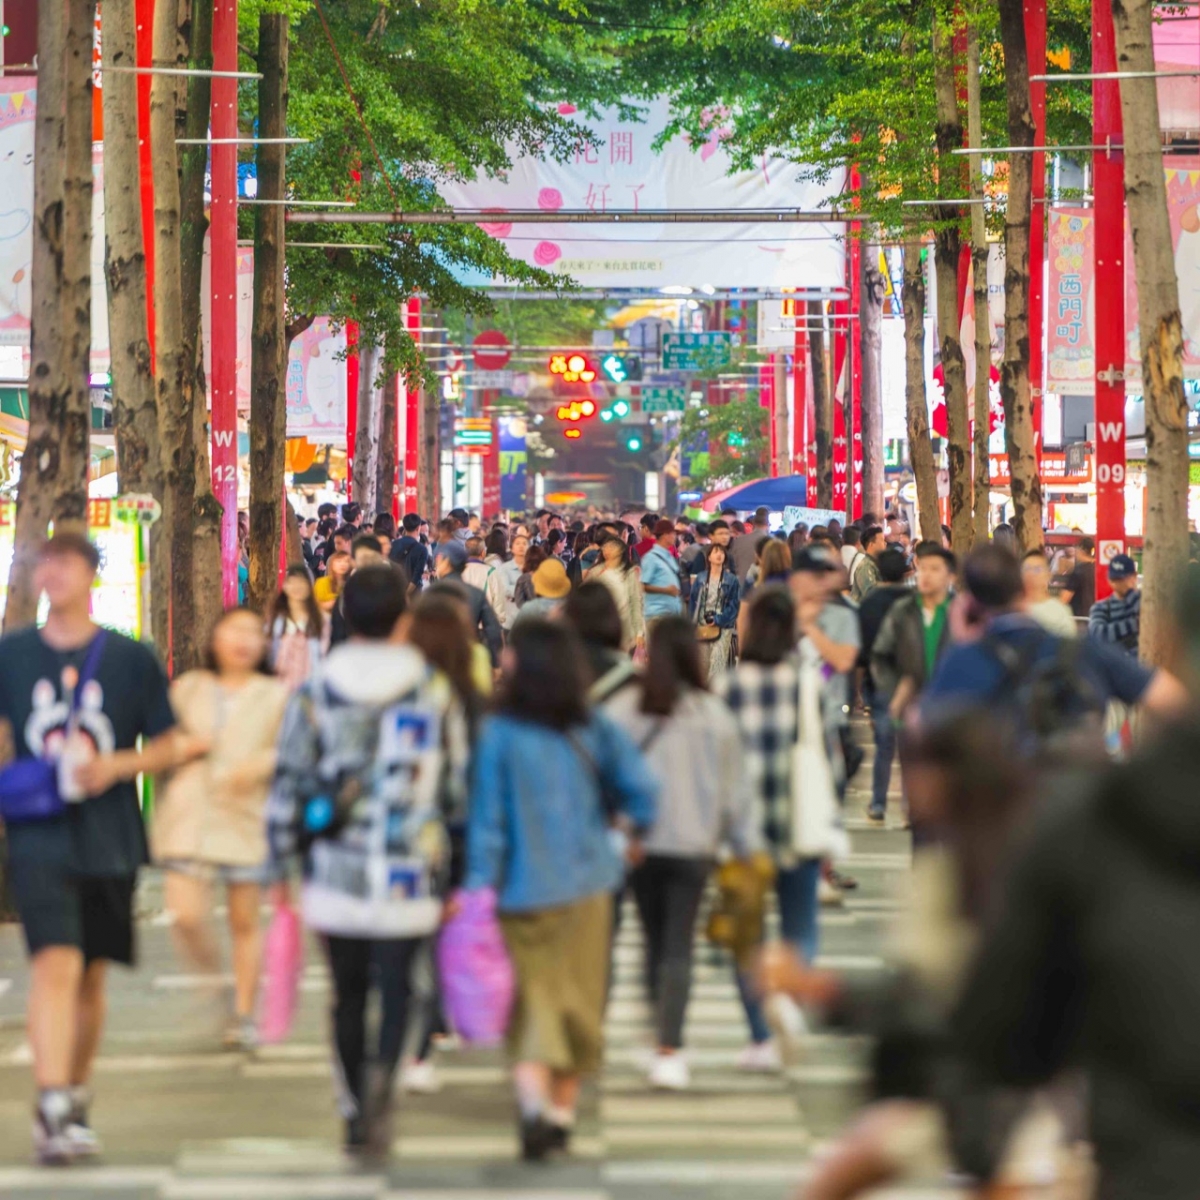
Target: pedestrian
(297, 628)
(774, 563)
(549, 780)
(408, 553)
(743, 548)
(208, 824)
(535, 555)
(716, 602)
(911, 638)
(1087, 959)
(616, 572)
(864, 574)
(78, 699)
(851, 547)
(764, 693)
(481, 574)
(1079, 588)
(591, 611)
(511, 571)
(646, 538)
(550, 586)
(798, 538)
(451, 563)
(1047, 610)
(1117, 619)
(662, 583)
(693, 748)
(384, 530)
(328, 588)
(370, 770)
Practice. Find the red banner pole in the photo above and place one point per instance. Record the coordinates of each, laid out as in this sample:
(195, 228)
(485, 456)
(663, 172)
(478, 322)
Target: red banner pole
(351, 403)
(771, 401)
(800, 434)
(854, 269)
(1108, 167)
(144, 19)
(1035, 42)
(412, 417)
(840, 346)
(223, 254)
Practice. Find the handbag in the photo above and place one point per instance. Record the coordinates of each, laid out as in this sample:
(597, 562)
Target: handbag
(816, 832)
(708, 633)
(478, 983)
(29, 788)
(283, 964)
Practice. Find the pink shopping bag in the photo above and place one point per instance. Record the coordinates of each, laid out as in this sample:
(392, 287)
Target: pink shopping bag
(283, 963)
(475, 971)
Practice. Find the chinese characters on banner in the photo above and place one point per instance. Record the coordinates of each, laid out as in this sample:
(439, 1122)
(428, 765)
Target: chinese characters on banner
(620, 170)
(245, 320)
(1071, 303)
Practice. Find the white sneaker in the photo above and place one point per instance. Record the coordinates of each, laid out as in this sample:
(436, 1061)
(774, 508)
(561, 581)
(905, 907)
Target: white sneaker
(420, 1078)
(670, 1073)
(786, 1020)
(762, 1057)
(829, 895)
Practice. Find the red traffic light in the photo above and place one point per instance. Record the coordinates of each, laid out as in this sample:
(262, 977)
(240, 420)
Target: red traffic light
(573, 432)
(572, 368)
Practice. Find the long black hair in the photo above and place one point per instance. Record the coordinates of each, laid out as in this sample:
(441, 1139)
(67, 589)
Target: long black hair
(592, 612)
(604, 537)
(771, 626)
(314, 623)
(440, 629)
(547, 680)
(672, 666)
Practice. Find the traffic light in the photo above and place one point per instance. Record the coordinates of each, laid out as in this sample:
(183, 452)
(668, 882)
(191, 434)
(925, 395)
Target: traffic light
(577, 410)
(615, 411)
(573, 368)
(633, 441)
(622, 368)
(573, 433)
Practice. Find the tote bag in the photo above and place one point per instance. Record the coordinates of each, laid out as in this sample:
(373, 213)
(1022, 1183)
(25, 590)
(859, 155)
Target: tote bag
(816, 824)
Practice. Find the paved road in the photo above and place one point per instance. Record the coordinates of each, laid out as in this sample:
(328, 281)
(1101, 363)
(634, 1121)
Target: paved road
(182, 1121)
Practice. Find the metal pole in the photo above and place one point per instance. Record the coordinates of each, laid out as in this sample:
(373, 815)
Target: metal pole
(574, 216)
(223, 276)
(1109, 191)
(1035, 44)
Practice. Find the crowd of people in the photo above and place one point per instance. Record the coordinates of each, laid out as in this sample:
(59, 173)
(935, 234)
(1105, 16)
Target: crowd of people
(564, 715)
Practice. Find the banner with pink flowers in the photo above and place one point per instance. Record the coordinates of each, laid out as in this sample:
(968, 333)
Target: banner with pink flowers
(623, 171)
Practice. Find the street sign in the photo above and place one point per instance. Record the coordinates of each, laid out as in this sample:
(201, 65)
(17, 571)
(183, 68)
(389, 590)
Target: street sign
(491, 350)
(473, 435)
(694, 351)
(498, 380)
(663, 399)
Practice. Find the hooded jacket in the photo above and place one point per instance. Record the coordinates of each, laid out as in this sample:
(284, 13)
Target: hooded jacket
(1091, 960)
(378, 734)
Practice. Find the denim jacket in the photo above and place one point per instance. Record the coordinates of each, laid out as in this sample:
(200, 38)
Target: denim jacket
(538, 825)
(730, 596)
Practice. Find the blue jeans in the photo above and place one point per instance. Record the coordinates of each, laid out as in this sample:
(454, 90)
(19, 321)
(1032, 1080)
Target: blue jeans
(796, 888)
(885, 749)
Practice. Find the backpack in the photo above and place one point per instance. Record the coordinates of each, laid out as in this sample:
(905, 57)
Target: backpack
(1044, 702)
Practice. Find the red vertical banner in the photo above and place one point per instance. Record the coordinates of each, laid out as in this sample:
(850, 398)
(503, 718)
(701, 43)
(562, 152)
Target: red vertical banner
(1108, 188)
(854, 349)
(223, 264)
(766, 399)
(800, 429)
(841, 344)
(412, 417)
(351, 403)
(144, 19)
(1035, 42)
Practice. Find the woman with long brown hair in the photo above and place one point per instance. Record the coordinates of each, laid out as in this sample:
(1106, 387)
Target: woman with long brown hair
(297, 628)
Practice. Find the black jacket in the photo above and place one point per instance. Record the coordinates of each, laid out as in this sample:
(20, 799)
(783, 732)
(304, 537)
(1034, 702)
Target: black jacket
(1093, 958)
(899, 647)
(408, 552)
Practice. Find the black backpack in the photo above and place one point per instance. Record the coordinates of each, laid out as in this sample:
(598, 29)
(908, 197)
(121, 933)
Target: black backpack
(1043, 702)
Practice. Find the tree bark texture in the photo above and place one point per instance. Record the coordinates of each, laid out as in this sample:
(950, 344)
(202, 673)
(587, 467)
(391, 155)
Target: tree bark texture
(822, 407)
(366, 438)
(174, 404)
(387, 476)
(979, 287)
(920, 447)
(268, 354)
(946, 251)
(135, 419)
(53, 484)
(429, 478)
(194, 99)
(870, 331)
(1166, 527)
(1014, 372)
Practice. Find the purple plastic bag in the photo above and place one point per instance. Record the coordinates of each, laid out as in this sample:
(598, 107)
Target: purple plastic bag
(475, 971)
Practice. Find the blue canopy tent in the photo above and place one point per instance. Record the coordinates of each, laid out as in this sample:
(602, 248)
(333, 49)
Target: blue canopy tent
(775, 494)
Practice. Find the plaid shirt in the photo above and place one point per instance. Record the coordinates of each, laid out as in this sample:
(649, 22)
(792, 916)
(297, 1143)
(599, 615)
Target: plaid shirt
(765, 702)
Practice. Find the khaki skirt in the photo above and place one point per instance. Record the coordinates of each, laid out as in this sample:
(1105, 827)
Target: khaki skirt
(561, 959)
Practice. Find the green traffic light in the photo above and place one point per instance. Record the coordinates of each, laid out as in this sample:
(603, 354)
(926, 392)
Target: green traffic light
(633, 443)
(606, 415)
(613, 366)
(620, 408)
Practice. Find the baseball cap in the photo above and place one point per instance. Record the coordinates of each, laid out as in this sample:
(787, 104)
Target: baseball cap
(814, 560)
(1121, 566)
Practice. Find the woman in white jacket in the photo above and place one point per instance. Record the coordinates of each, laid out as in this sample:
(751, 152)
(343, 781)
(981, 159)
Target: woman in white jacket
(616, 571)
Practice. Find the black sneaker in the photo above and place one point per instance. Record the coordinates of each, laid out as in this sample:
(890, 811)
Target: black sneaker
(560, 1139)
(538, 1139)
(51, 1119)
(357, 1139)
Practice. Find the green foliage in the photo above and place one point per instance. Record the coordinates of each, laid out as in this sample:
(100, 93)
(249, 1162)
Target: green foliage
(738, 444)
(534, 322)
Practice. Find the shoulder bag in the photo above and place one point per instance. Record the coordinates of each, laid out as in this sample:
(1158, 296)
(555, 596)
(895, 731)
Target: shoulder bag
(29, 788)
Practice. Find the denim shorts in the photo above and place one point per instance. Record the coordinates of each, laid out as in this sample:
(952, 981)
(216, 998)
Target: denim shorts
(262, 874)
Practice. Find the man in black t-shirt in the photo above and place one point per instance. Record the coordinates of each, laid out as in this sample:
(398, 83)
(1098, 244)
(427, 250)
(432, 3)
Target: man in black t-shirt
(68, 698)
(1079, 589)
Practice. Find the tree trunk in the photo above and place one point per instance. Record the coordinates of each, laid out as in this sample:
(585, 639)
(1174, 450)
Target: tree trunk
(916, 403)
(822, 407)
(194, 97)
(387, 477)
(429, 466)
(979, 287)
(54, 466)
(268, 356)
(366, 437)
(870, 332)
(946, 251)
(174, 409)
(1014, 372)
(1166, 526)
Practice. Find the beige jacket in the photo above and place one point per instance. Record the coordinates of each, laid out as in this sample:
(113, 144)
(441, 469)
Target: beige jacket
(212, 809)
